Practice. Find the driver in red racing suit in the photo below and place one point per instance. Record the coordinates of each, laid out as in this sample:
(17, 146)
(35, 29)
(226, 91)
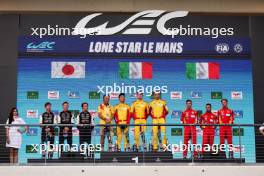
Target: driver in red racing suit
(225, 116)
(208, 118)
(189, 116)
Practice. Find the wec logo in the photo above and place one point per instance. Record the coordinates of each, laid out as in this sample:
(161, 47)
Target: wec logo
(40, 46)
(145, 18)
(142, 24)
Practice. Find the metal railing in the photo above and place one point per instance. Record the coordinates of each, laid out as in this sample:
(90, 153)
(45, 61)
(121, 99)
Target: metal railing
(83, 143)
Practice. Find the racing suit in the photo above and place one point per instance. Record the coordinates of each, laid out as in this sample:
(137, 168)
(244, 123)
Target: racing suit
(139, 112)
(65, 117)
(189, 116)
(122, 117)
(47, 132)
(107, 112)
(208, 118)
(85, 118)
(226, 116)
(158, 111)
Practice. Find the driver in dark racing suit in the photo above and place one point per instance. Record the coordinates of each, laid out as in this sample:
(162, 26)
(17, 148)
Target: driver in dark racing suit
(85, 122)
(65, 117)
(47, 132)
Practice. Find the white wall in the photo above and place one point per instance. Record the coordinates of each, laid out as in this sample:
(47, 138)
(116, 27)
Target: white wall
(231, 6)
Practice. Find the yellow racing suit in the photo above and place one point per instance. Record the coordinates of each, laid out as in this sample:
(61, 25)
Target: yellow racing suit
(122, 117)
(139, 112)
(107, 112)
(158, 112)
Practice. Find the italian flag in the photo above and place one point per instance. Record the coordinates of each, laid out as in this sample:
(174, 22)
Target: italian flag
(202, 70)
(135, 70)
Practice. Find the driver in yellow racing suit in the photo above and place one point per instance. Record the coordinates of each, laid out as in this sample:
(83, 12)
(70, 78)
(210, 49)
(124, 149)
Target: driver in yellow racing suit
(139, 112)
(122, 118)
(158, 112)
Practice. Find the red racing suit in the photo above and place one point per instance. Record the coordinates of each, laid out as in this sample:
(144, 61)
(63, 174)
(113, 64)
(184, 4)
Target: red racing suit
(225, 116)
(189, 116)
(208, 118)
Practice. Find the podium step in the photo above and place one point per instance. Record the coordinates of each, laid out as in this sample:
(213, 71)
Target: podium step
(130, 157)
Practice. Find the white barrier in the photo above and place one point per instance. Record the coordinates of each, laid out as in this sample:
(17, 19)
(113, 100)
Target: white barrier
(179, 170)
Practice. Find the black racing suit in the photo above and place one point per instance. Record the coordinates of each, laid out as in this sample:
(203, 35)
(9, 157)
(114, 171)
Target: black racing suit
(85, 131)
(65, 118)
(47, 118)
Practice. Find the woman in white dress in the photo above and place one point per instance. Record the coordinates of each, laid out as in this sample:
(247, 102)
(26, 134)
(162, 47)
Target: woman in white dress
(14, 134)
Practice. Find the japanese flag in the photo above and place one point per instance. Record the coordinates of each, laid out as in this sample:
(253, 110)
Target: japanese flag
(67, 69)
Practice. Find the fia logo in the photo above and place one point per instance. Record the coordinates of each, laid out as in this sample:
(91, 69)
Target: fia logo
(222, 48)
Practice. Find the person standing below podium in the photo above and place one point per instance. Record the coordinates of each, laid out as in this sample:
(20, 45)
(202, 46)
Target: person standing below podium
(65, 117)
(14, 134)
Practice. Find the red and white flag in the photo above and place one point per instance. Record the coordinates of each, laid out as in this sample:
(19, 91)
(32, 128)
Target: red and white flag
(67, 69)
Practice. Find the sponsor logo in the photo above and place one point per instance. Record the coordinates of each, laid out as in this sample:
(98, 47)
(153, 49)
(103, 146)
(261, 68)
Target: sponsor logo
(32, 95)
(176, 114)
(238, 113)
(215, 112)
(238, 132)
(32, 132)
(217, 132)
(31, 149)
(132, 95)
(143, 22)
(53, 95)
(216, 95)
(237, 95)
(94, 95)
(176, 131)
(195, 94)
(237, 148)
(93, 113)
(56, 131)
(113, 95)
(199, 113)
(32, 113)
(40, 47)
(75, 131)
(132, 130)
(73, 94)
(238, 48)
(75, 113)
(222, 48)
(199, 132)
(176, 95)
